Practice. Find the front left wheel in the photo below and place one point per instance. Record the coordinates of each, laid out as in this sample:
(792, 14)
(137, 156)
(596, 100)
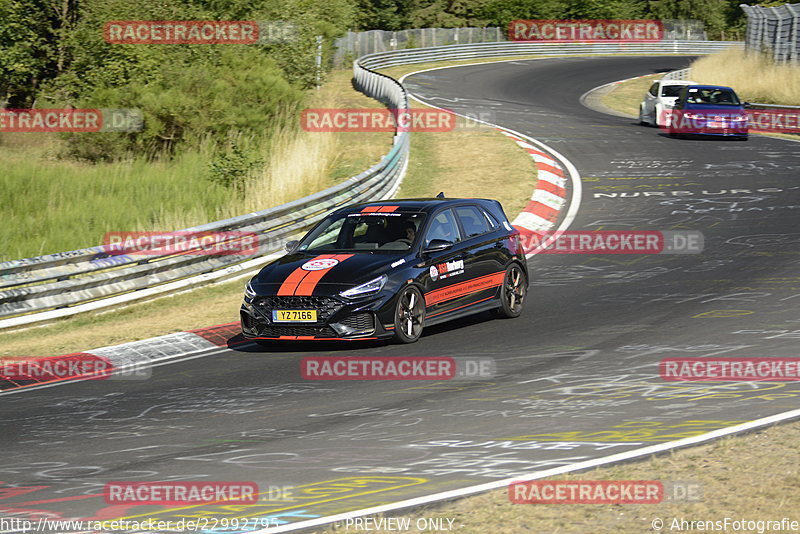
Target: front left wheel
(512, 294)
(409, 314)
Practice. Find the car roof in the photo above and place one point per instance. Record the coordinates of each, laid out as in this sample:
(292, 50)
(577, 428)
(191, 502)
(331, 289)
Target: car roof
(703, 86)
(677, 82)
(414, 204)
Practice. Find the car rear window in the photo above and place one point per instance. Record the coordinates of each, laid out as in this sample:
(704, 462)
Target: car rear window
(712, 96)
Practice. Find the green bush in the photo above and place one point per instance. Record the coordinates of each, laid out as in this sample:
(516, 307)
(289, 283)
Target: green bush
(232, 168)
(185, 106)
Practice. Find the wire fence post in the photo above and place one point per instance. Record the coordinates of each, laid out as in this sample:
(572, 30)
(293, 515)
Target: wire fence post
(774, 29)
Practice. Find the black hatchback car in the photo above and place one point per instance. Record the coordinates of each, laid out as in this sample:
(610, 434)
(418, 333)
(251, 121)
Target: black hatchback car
(388, 269)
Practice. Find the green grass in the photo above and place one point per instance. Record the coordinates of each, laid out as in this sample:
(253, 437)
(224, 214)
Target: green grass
(51, 206)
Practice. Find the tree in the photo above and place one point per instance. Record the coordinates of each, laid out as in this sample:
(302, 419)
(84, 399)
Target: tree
(27, 55)
(713, 13)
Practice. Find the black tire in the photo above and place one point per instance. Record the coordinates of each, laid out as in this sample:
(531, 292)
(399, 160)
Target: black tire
(409, 315)
(512, 293)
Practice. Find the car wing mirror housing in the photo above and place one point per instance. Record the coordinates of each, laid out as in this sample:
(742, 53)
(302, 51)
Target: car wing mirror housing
(437, 245)
(291, 246)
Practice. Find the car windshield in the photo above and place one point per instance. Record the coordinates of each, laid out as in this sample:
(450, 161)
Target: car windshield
(712, 96)
(671, 90)
(364, 231)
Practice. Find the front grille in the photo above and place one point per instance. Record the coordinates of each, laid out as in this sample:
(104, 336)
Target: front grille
(359, 321)
(325, 306)
(277, 331)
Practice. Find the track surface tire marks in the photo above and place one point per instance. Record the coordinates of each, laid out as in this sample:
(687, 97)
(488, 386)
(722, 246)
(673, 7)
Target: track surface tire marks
(578, 376)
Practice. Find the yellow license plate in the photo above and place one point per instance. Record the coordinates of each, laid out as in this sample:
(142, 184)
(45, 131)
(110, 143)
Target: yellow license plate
(294, 316)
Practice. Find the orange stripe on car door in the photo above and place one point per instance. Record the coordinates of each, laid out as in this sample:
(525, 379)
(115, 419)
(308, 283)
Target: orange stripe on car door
(466, 287)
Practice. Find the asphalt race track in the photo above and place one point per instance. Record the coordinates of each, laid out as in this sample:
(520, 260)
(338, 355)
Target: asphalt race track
(577, 374)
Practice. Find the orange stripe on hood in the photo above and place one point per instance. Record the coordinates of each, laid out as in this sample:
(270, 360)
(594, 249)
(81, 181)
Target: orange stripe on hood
(289, 285)
(306, 286)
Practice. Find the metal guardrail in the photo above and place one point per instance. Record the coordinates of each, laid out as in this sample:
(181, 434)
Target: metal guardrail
(512, 49)
(357, 44)
(681, 74)
(49, 287)
(775, 29)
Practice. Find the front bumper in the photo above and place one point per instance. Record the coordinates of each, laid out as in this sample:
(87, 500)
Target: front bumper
(336, 319)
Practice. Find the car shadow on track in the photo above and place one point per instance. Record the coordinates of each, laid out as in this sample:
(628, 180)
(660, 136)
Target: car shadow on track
(698, 137)
(239, 343)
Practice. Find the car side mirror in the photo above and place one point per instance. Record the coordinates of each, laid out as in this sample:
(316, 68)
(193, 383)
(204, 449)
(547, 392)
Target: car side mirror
(437, 245)
(746, 105)
(678, 103)
(291, 246)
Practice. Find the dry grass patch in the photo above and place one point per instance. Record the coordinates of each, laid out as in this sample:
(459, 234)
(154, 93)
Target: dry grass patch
(752, 477)
(754, 77)
(477, 162)
(625, 97)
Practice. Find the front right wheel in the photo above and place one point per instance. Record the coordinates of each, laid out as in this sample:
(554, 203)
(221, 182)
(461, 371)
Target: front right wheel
(409, 314)
(512, 293)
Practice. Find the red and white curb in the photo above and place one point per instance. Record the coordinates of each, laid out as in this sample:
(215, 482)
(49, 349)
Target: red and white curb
(541, 213)
(136, 355)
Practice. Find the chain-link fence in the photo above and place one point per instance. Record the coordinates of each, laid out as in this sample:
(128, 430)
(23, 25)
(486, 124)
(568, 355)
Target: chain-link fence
(357, 44)
(775, 30)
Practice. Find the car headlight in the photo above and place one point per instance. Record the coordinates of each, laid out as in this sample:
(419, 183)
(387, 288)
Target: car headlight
(366, 289)
(249, 292)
